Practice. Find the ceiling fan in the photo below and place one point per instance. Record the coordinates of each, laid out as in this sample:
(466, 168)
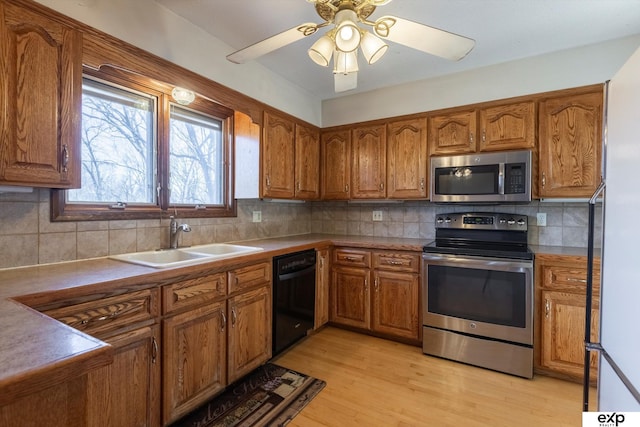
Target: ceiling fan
(341, 42)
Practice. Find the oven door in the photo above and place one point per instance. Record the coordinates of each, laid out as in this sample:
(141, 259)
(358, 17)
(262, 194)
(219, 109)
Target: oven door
(486, 297)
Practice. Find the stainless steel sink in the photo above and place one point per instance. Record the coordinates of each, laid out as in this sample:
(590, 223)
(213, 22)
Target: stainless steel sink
(185, 256)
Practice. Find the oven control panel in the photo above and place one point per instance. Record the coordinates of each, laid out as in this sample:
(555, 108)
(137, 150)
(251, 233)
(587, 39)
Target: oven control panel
(482, 221)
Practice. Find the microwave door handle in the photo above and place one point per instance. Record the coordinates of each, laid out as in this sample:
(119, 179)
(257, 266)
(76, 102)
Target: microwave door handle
(501, 178)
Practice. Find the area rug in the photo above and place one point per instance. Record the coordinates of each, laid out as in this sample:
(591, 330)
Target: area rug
(269, 396)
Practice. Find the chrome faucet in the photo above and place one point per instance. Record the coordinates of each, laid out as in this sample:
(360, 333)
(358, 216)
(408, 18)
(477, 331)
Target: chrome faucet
(174, 230)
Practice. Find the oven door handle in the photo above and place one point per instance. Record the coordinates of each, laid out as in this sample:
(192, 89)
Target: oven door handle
(487, 263)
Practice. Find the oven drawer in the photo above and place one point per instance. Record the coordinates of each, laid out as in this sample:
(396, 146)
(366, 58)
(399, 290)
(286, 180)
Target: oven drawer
(352, 257)
(396, 261)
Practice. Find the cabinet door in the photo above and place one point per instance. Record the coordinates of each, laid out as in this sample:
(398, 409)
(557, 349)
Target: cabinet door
(395, 304)
(563, 333)
(350, 298)
(407, 159)
(278, 157)
(41, 90)
(127, 392)
(322, 288)
(249, 331)
(508, 127)
(194, 362)
(368, 162)
(336, 166)
(453, 133)
(307, 165)
(570, 145)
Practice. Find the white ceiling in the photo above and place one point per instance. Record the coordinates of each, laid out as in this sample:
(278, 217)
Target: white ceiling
(504, 30)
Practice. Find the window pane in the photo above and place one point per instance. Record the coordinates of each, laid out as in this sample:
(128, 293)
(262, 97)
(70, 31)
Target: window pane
(196, 159)
(118, 149)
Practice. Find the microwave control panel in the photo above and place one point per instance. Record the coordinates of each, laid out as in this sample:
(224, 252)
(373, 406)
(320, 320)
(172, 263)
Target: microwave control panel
(514, 178)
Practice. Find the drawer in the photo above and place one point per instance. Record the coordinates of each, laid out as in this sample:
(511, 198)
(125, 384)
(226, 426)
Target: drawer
(250, 276)
(352, 257)
(568, 278)
(397, 261)
(191, 293)
(106, 315)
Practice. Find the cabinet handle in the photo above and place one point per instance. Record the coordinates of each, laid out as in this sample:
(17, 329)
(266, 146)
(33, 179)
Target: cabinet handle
(381, 186)
(298, 185)
(366, 284)
(544, 179)
(224, 321)
(422, 184)
(65, 157)
(350, 258)
(547, 308)
(392, 262)
(346, 188)
(321, 262)
(484, 135)
(234, 317)
(268, 182)
(471, 137)
(573, 279)
(376, 284)
(101, 318)
(154, 350)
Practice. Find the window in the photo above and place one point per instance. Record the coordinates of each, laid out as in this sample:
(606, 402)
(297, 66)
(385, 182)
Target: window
(143, 154)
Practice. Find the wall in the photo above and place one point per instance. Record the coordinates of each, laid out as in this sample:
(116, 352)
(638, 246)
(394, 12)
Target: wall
(560, 70)
(566, 222)
(149, 26)
(28, 237)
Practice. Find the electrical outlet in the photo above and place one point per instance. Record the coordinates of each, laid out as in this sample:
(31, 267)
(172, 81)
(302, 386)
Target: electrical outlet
(541, 219)
(257, 216)
(377, 215)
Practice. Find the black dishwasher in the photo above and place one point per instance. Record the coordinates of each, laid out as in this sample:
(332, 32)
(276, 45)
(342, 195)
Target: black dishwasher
(294, 296)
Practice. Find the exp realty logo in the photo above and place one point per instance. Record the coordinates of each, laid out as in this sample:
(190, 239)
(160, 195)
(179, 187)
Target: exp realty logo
(611, 419)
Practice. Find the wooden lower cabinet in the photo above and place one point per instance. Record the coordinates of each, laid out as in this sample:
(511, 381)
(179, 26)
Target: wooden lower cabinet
(376, 291)
(322, 288)
(195, 344)
(561, 296)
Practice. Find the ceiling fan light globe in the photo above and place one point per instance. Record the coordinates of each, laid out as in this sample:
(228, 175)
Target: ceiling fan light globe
(345, 62)
(373, 48)
(347, 32)
(321, 51)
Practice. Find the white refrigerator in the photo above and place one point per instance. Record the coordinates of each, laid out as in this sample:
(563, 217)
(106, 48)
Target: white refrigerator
(620, 291)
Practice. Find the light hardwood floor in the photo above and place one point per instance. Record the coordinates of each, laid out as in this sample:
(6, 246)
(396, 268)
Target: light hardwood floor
(376, 382)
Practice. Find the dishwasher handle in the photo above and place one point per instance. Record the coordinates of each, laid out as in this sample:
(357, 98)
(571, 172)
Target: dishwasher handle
(297, 273)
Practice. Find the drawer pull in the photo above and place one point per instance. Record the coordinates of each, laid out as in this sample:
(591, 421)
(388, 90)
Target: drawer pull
(350, 258)
(392, 262)
(101, 318)
(573, 279)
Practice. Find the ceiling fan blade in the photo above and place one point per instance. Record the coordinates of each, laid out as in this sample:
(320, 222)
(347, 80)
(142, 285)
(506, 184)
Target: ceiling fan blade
(272, 43)
(425, 38)
(343, 82)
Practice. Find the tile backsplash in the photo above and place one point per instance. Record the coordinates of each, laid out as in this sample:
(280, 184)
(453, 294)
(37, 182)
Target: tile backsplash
(28, 237)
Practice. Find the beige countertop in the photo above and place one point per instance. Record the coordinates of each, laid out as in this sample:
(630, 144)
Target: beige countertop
(36, 349)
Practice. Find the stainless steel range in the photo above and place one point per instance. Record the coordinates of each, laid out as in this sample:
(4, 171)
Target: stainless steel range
(478, 292)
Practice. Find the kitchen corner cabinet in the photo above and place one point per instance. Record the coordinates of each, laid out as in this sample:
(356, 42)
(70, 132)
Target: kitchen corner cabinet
(126, 392)
(41, 89)
(336, 165)
(368, 162)
(278, 157)
(376, 291)
(322, 288)
(570, 147)
(561, 294)
(407, 159)
(307, 164)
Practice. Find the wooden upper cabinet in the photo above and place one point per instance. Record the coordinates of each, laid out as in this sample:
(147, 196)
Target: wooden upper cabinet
(336, 165)
(41, 92)
(307, 164)
(278, 157)
(407, 159)
(368, 162)
(453, 133)
(508, 127)
(570, 148)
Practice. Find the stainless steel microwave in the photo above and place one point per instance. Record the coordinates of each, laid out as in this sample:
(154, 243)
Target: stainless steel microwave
(502, 177)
